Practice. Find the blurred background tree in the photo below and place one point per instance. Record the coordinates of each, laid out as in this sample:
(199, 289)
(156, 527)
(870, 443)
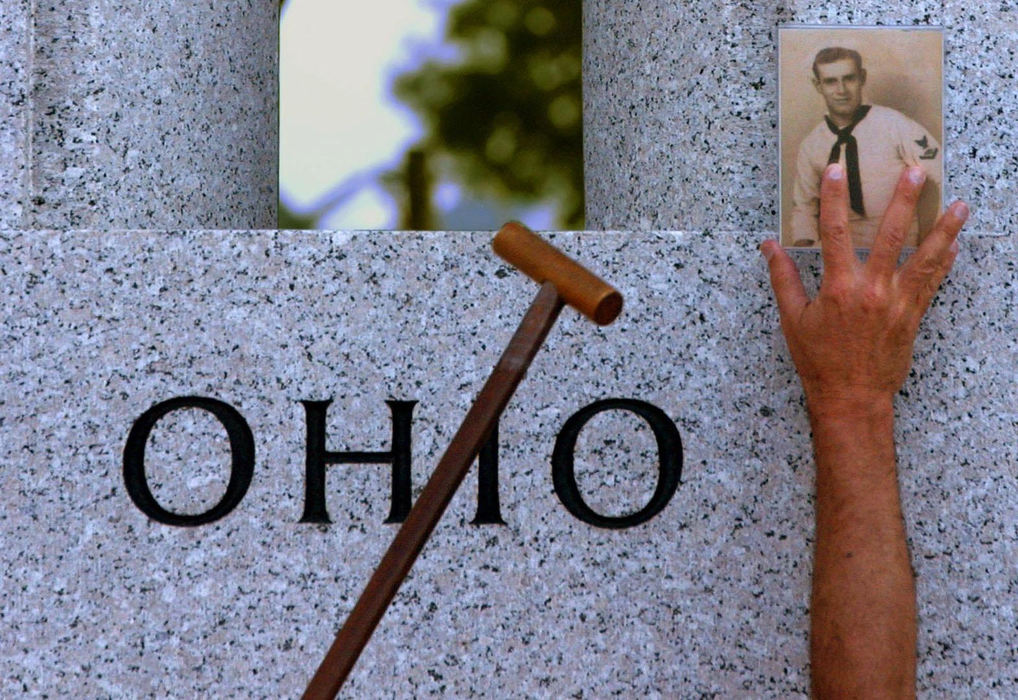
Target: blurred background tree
(501, 108)
(505, 119)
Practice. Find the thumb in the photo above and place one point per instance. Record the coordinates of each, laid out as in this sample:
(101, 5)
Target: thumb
(785, 280)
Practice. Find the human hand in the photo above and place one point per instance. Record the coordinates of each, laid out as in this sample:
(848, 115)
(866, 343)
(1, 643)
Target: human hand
(852, 344)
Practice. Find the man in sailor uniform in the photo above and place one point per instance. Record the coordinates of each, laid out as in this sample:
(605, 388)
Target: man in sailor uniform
(873, 143)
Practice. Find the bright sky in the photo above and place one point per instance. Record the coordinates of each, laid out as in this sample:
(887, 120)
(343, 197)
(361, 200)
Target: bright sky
(337, 118)
(337, 59)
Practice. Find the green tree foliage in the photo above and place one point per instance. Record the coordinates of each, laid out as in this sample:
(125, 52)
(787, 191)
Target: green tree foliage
(504, 118)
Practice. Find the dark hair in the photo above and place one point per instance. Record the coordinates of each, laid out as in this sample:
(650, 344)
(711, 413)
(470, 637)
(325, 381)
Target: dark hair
(836, 53)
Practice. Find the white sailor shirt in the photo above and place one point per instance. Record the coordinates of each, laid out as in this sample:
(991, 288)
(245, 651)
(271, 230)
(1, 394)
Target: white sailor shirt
(887, 142)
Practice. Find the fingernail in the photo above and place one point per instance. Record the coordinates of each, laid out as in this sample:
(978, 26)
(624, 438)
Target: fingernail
(953, 247)
(960, 210)
(835, 171)
(916, 175)
(767, 251)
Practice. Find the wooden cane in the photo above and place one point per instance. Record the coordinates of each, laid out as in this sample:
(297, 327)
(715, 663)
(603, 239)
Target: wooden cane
(563, 281)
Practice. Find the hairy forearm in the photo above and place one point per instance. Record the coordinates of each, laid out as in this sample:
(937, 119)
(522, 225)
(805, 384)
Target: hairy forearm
(852, 347)
(863, 614)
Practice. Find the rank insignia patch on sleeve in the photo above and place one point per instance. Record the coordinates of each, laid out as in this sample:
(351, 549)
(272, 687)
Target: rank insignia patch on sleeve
(929, 153)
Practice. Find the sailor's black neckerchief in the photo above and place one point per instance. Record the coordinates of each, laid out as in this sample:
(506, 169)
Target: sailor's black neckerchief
(851, 156)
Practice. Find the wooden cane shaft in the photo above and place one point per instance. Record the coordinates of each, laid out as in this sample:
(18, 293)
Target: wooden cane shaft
(578, 286)
(437, 493)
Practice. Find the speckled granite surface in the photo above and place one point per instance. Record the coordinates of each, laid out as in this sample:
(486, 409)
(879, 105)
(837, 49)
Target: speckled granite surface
(709, 597)
(14, 112)
(680, 116)
(141, 115)
(982, 138)
(134, 122)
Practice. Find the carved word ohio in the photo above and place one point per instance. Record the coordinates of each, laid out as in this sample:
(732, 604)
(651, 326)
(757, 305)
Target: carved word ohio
(318, 459)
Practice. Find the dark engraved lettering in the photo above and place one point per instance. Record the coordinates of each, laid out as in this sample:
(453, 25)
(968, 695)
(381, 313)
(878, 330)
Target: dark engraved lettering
(318, 458)
(242, 454)
(488, 509)
(669, 445)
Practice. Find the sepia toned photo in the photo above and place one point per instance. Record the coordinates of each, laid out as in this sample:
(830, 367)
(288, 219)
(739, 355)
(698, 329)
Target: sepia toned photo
(870, 98)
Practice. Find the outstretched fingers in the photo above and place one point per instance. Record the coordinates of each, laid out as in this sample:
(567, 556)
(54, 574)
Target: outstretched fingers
(896, 224)
(835, 237)
(921, 275)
